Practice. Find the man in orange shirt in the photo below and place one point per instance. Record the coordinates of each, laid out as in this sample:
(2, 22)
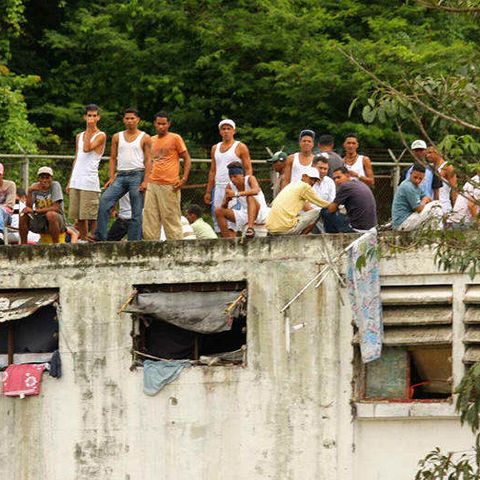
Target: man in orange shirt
(162, 199)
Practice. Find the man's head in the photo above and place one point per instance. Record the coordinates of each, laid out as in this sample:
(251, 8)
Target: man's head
(419, 148)
(320, 162)
(418, 174)
(45, 177)
(278, 161)
(21, 195)
(131, 118)
(236, 174)
(306, 140)
(161, 122)
(227, 129)
(91, 114)
(194, 212)
(433, 155)
(341, 175)
(325, 143)
(350, 144)
(310, 175)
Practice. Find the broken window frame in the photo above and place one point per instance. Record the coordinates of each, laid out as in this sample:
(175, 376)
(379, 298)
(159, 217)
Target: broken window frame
(138, 332)
(51, 298)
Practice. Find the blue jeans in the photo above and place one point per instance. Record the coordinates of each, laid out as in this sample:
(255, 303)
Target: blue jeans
(5, 219)
(335, 222)
(124, 182)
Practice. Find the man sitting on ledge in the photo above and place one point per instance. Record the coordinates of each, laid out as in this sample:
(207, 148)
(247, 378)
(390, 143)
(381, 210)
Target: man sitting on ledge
(359, 203)
(44, 210)
(244, 203)
(411, 208)
(286, 215)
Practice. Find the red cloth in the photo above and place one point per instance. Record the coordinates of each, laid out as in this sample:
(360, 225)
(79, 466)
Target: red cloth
(22, 379)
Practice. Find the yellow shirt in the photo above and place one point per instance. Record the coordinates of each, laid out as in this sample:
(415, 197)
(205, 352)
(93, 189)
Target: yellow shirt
(287, 205)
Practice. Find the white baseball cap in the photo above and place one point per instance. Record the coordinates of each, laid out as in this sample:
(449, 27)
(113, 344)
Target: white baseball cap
(227, 121)
(46, 170)
(312, 172)
(419, 144)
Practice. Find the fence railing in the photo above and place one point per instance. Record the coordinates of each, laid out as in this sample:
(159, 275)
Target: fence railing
(22, 169)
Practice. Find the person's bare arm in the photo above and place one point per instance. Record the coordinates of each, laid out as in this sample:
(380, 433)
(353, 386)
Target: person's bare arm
(451, 178)
(423, 202)
(229, 194)
(369, 178)
(113, 160)
(332, 208)
(187, 165)
(147, 161)
(54, 207)
(97, 144)
(67, 189)
(11, 196)
(207, 198)
(287, 173)
(254, 188)
(243, 153)
(29, 204)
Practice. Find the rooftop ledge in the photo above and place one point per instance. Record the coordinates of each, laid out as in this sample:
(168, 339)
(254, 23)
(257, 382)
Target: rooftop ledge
(400, 410)
(279, 247)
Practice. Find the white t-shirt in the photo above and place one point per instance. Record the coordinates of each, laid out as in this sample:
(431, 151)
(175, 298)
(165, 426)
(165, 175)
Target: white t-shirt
(460, 212)
(85, 171)
(325, 189)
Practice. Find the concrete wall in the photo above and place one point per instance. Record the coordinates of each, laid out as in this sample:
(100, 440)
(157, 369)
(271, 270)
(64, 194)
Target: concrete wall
(284, 416)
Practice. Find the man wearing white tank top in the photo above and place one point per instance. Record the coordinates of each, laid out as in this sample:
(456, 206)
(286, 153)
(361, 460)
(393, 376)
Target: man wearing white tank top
(244, 203)
(129, 170)
(447, 193)
(84, 184)
(227, 151)
(359, 166)
(298, 163)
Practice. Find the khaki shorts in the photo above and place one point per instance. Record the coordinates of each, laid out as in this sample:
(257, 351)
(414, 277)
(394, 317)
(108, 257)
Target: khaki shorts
(83, 204)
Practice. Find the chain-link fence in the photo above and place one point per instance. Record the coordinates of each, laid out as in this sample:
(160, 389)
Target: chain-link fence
(23, 170)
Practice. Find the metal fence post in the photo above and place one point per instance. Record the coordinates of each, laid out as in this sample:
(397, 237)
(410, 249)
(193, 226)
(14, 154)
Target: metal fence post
(25, 173)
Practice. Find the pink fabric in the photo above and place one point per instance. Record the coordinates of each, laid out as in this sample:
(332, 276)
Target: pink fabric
(23, 379)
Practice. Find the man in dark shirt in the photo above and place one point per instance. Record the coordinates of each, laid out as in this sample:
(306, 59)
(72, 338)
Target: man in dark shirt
(358, 201)
(325, 145)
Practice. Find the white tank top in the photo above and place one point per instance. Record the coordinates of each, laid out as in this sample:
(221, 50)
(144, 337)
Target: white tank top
(224, 159)
(297, 168)
(85, 171)
(357, 166)
(242, 201)
(130, 154)
(444, 192)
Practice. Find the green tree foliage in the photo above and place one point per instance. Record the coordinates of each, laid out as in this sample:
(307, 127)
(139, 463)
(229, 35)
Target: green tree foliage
(16, 132)
(274, 66)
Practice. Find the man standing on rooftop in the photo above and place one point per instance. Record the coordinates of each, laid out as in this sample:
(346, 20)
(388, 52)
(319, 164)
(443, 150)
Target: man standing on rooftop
(162, 200)
(129, 168)
(298, 163)
(8, 193)
(325, 145)
(223, 153)
(359, 166)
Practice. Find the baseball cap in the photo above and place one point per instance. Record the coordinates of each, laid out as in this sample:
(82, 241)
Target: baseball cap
(1, 169)
(311, 172)
(46, 170)
(278, 157)
(419, 144)
(227, 121)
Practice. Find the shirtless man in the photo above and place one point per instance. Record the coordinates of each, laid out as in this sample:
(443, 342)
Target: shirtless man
(360, 166)
(223, 153)
(297, 163)
(84, 184)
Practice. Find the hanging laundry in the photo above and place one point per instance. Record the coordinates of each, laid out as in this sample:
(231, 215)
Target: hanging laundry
(158, 374)
(363, 283)
(24, 379)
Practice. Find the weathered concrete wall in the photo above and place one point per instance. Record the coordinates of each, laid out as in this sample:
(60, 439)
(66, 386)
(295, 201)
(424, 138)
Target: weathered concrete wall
(284, 416)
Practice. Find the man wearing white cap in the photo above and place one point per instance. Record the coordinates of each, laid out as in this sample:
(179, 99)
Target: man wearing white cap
(223, 153)
(44, 210)
(286, 215)
(431, 183)
(8, 192)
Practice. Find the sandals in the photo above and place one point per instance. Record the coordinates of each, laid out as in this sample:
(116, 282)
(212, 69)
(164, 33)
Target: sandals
(249, 232)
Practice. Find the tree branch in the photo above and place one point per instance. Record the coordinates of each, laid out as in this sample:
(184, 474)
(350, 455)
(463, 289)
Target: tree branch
(444, 8)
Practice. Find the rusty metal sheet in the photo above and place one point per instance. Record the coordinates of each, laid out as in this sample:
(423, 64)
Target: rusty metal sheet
(18, 304)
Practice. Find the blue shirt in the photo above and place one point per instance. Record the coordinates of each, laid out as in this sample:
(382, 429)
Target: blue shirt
(405, 202)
